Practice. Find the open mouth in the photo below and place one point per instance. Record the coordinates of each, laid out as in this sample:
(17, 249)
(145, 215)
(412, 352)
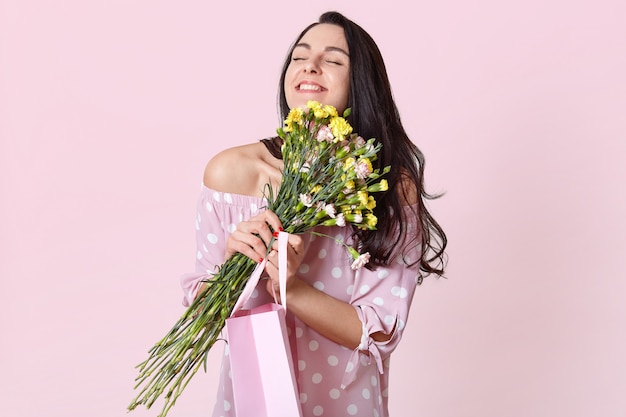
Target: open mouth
(309, 87)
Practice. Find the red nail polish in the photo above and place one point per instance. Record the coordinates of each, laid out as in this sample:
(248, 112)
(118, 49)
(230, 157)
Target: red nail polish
(281, 229)
(261, 260)
(275, 234)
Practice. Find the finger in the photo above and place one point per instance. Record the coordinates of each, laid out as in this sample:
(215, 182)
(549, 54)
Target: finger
(256, 227)
(247, 244)
(296, 243)
(272, 262)
(272, 220)
(250, 238)
(273, 291)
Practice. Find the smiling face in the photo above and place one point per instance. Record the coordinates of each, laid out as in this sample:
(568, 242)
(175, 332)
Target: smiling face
(319, 68)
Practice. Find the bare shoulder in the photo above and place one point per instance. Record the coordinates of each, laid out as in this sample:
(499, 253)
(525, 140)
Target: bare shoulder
(238, 170)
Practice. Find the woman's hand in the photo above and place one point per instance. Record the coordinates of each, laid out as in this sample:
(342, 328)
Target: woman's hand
(252, 236)
(251, 239)
(295, 253)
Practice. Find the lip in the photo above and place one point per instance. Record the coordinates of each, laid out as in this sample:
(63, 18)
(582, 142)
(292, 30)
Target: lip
(310, 83)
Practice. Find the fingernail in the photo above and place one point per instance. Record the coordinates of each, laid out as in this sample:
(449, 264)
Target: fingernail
(261, 260)
(281, 229)
(275, 234)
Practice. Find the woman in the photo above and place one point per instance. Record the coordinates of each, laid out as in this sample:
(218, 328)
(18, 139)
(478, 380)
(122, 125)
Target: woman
(346, 323)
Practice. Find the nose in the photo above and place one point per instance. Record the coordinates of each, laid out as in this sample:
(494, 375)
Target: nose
(311, 67)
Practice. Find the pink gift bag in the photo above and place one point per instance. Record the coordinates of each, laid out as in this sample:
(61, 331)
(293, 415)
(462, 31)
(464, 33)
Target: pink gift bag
(264, 382)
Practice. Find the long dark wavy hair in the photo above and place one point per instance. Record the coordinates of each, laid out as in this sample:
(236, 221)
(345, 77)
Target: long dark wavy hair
(374, 114)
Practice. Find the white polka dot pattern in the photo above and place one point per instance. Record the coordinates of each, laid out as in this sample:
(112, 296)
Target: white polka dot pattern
(399, 292)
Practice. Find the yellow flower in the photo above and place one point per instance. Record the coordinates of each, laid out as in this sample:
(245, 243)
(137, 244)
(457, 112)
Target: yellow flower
(318, 111)
(348, 163)
(332, 112)
(316, 189)
(363, 197)
(371, 220)
(313, 105)
(350, 185)
(381, 186)
(371, 203)
(340, 128)
(295, 116)
(320, 114)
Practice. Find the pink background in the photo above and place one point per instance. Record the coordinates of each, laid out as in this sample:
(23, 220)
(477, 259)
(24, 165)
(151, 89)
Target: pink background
(109, 111)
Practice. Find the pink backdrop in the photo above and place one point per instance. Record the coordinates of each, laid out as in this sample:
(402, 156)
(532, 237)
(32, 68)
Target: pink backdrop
(110, 109)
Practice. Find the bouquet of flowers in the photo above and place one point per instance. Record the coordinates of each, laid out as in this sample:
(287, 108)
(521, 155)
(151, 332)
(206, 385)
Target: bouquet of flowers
(326, 180)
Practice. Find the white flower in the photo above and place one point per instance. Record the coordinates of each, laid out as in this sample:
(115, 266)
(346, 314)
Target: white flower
(330, 210)
(306, 199)
(360, 261)
(305, 167)
(341, 221)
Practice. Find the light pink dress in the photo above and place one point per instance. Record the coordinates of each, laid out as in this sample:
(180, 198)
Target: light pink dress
(332, 380)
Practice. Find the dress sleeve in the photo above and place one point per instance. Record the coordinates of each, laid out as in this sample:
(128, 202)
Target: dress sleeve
(382, 299)
(218, 214)
(210, 246)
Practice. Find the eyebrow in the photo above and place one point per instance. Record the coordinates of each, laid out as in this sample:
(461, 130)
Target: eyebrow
(328, 48)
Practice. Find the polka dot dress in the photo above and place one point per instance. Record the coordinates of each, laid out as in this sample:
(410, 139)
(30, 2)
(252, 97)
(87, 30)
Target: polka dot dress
(332, 380)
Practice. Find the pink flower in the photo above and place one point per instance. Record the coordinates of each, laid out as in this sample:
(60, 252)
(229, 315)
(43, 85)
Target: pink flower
(325, 134)
(359, 142)
(360, 261)
(362, 170)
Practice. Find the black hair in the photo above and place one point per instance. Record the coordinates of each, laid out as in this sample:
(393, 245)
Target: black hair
(374, 114)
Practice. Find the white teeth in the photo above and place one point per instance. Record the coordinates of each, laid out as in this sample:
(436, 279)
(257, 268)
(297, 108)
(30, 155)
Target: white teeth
(310, 87)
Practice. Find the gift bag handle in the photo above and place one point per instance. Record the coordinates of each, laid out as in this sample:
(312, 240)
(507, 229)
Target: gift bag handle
(256, 276)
